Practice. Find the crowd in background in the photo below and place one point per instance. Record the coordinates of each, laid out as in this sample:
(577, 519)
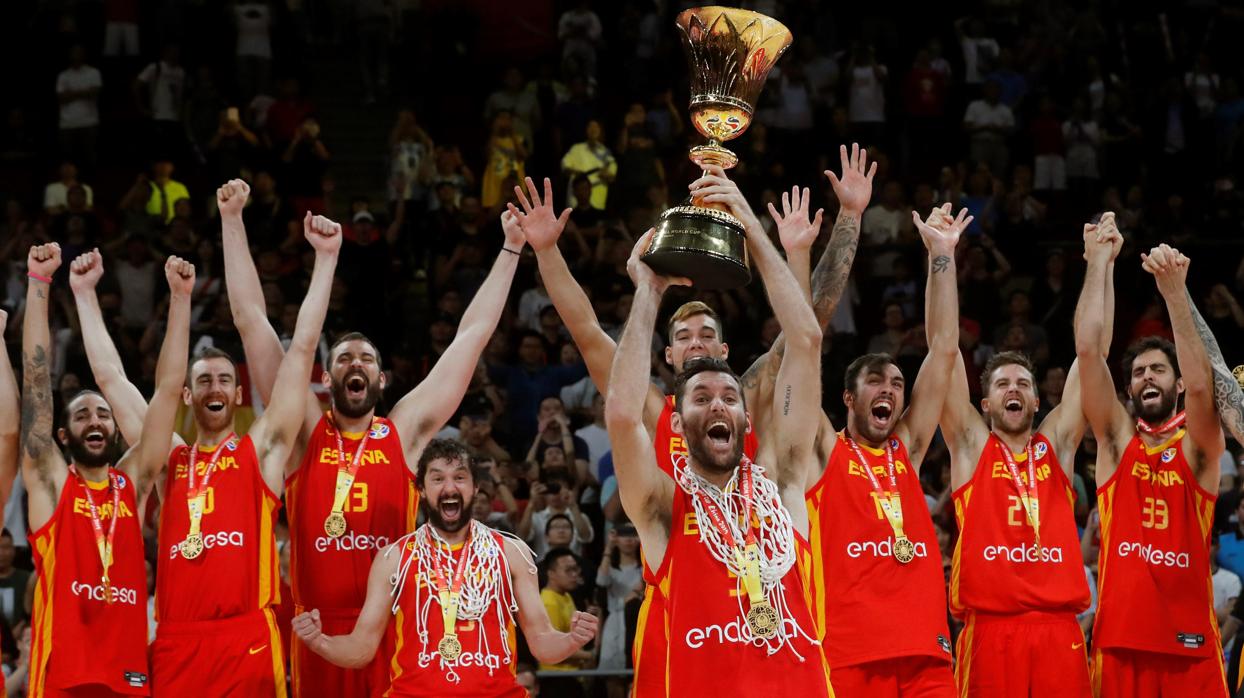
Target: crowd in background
(126, 115)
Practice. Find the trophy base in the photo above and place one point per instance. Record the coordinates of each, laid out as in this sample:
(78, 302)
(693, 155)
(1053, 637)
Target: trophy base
(703, 244)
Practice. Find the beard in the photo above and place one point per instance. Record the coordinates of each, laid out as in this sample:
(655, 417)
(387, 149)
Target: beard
(438, 522)
(342, 402)
(1155, 414)
(696, 447)
(80, 453)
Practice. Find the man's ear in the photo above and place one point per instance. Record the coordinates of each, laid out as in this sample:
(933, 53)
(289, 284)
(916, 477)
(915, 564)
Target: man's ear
(676, 423)
(62, 436)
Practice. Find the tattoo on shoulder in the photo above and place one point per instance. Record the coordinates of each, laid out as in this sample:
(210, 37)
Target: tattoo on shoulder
(941, 263)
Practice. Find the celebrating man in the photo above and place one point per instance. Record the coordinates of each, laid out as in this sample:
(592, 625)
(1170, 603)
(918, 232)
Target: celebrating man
(874, 549)
(725, 536)
(351, 490)
(88, 548)
(450, 588)
(1018, 576)
(9, 425)
(1157, 475)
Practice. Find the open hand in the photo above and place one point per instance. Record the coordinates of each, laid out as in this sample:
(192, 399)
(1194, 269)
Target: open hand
(940, 231)
(540, 224)
(855, 188)
(795, 230)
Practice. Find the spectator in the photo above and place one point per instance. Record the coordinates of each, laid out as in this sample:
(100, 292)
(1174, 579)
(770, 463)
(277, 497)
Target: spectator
(591, 158)
(507, 156)
(564, 575)
(989, 123)
(639, 164)
(866, 94)
(1202, 83)
(895, 336)
(77, 90)
(13, 583)
(136, 275)
(1230, 553)
(1226, 584)
(156, 197)
(1082, 137)
(551, 496)
(288, 113)
(884, 226)
(231, 148)
(253, 19)
(410, 160)
(120, 28)
(621, 576)
(979, 50)
(306, 162)
(579, 30)
(160, 92)
(56, 194)
(553, 431)
(1013, 87)
(520, 102)
(1050, 167)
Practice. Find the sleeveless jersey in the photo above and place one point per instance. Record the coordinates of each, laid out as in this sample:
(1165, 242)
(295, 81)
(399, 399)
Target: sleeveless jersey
(668, 444)
(237, 571)
(998, 567)
(483, 670)
(856, 581)
(706, 655)
(1154, 574)
(652, 632)
(331, 573)
(76, 637)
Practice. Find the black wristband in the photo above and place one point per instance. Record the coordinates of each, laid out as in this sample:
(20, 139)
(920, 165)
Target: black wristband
(518, 254)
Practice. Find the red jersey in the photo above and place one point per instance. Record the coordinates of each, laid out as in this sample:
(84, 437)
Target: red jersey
(238, 542)
(486, 667)
(867, 604)
(1154, 574)
(78, 639)
(707, 654)
(331, 573)
(652, 633)
(998, 566)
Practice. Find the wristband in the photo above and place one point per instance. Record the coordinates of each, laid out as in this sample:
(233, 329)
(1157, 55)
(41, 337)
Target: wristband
(39, 277)
(517, 254)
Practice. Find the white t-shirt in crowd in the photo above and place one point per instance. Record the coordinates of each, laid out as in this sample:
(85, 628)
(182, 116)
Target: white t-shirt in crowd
(82, 112)
(978, 55)
(253, 20)
(597, 440)
(981, 113)
(167, 84)
(56, 194)
(866, 100)
(1226, 586)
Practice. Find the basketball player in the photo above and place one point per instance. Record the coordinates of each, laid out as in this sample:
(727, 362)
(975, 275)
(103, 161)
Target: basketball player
(9, 421)
(725, 535)
(1017, 579)
(351, 488)
(217, 578)
(1157, 477)
(880, 598)
(450, 588)
(89, 631)
(695, 331)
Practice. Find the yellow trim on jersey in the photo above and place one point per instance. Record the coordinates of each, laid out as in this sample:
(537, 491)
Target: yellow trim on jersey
(41, 638)
(1150, 450)
(269, 592)
(963, 670)
(395, 665)
(816, 573)
(278, 660)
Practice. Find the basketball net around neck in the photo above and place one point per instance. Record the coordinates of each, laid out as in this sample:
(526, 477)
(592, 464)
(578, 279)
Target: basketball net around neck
(775, 537)
(487, 585)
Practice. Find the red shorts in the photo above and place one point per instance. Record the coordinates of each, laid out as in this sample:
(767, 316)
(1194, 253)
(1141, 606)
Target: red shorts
(897, 677)
(1022, 655)
(1125, 673)
(93, 690)
(239, 656)
(316, 677)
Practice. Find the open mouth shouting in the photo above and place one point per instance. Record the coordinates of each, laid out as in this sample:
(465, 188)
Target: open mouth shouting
(356, 385)
(719, 434)
(1150, 396)
(95, 440)
(450, 508)
(1013, 406)
(881, 413)
(215, 406)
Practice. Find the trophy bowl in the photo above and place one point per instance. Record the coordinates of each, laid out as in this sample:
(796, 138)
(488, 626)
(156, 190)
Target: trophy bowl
(730, 53)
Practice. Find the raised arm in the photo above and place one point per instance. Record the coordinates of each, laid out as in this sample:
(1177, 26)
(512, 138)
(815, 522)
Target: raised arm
(276, 431)
(796, 411)
(355, 650)
(548, 645)
(1107, 417)
(146, 460)
(425, 409)
(646, 492)
(43, 465)
(246, 302)
(1170, 269)
(1227, 393)
(829, 278)
(798, 232)
(9, 420)
(542, 229)
(940, 234)
(128, 405)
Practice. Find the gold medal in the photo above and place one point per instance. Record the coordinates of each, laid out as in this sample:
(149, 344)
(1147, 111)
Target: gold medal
(449, 647)
(335, 524)
(762, 620)
(192, 546)
(904, 549)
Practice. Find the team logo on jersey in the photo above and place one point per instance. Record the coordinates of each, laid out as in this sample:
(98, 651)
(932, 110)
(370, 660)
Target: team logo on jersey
(1039, 450)
(231, 445)
(894, 444)
(120, 480)
(378, 431)
(1168, 455)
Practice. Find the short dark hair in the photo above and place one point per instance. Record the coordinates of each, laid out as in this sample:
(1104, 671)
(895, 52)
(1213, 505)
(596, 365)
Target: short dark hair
(1006, 358)
(868, 363)
(580, 179)
(447, 449)
(557, 517)
(552, 556)
(210, 353)
(695, 366)
(351, 337)
(64, 413)
(1150, 343)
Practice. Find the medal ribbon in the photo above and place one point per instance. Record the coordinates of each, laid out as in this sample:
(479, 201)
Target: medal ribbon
(449, 595)
(196, 496)
(102, 542)
(347, 472)
(747, 557)
(1172, 423)
(892, 508)
(1027, 493)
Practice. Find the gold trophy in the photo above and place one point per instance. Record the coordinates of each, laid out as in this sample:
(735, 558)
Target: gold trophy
(730, 52)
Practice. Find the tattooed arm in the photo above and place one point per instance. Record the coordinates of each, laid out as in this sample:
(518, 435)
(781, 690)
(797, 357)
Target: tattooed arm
(10, 420)
(1228, 396)
(43, 465)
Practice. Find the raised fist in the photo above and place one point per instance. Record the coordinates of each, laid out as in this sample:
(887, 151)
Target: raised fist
(86, 271)
(323, 234)
(231, 198)
(44, 260)
(180, 275)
